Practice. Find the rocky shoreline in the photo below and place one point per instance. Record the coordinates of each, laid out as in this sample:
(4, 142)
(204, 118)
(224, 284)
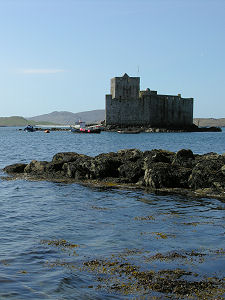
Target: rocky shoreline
(148, 129)
(137, 129)
(158, 171)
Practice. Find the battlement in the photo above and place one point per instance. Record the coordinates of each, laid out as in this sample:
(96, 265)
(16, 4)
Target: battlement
(147, 92)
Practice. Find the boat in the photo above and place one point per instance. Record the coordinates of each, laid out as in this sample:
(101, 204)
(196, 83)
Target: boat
(80, 127)
(85, 130)
(129, 131)
(47, 131)
(29, 128)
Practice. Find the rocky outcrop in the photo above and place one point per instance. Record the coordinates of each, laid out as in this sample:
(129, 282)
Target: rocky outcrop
(156, 170)
(147, 129)
(15, 168)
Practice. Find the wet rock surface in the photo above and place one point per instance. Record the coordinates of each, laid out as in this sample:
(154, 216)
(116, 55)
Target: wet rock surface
(157, 170)
(15, 168)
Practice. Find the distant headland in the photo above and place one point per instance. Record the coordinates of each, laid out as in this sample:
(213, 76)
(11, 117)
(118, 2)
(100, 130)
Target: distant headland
(68, 118)
(18, 121)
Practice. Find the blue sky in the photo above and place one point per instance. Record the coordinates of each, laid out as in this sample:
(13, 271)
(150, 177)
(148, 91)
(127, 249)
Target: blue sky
(59, 55)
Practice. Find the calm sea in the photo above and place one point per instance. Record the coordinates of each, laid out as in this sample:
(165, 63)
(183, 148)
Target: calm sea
(96, 223)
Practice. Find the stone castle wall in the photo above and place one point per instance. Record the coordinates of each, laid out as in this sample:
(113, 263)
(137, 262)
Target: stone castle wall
(145, 107)
(125, 87)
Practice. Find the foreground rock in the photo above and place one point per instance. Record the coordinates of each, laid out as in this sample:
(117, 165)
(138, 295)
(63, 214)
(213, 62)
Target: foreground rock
(156, 170)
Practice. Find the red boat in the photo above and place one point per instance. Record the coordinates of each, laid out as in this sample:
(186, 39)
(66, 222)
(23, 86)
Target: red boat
(86, 130)
(80, 127)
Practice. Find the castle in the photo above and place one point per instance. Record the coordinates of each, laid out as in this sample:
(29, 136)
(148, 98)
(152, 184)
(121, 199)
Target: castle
(128, 106)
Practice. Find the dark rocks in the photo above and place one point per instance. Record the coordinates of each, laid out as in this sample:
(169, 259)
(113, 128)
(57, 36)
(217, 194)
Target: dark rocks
(65, 157)
(184, 158)
(156, 170)
(157, 156)
(15, 168)
(36, 167)
(149, 129)
(208, 172)
(223, 170)
(164, 175)
(130, 154)
(104, 165)
(131, 172)
(78, 169)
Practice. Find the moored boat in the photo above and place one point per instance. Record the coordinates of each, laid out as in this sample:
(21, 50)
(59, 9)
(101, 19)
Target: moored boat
(129, 131)
(80, 127)
(29, 128)
(86, 130)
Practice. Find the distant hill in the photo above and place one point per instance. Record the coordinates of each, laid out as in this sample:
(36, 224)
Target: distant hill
(17, 121)
(68, 118)
(208, 122)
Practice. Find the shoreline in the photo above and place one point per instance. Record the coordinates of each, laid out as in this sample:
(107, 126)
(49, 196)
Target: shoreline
(136, 129)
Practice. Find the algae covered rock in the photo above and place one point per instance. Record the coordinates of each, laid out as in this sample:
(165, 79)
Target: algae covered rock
(15, 168)
(207, 172)
(130, 154)
(78, 169)
(184, 157)
(154, 169)
(65, 157)
(131, 172)
(156, 155)
(164, 175)
(105, 165)
(35, 166)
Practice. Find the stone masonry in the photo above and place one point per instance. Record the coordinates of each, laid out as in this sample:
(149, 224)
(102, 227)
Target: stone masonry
(128, 106)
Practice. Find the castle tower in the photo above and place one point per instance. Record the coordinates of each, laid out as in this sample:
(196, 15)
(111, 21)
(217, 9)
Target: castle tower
(125, 87)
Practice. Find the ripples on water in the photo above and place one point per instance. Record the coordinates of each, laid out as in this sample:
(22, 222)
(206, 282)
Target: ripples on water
(103, 222)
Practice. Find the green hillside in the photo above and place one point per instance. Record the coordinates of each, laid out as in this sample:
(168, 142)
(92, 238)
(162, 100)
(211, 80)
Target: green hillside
(19, 121)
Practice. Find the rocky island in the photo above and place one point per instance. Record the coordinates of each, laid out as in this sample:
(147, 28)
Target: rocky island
(158, 171)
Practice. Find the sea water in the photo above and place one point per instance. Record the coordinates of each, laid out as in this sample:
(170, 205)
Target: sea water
(98, 223)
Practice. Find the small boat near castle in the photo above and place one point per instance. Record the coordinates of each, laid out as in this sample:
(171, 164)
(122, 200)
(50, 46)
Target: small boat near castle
(129, 131)
(29, 128)
(86, 130)
(80, 127)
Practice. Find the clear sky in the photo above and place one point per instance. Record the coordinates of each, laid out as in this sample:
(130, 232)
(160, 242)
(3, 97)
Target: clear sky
(59, 55)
